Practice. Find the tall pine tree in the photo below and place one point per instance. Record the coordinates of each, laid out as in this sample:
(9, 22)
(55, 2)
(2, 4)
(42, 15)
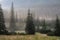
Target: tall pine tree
(12, 21)
(57, 27)
(44, 26)
(2, 22)
(30, 28)
(38, 24)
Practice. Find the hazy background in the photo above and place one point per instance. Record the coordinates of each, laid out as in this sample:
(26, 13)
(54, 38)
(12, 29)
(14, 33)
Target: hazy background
(43, 8)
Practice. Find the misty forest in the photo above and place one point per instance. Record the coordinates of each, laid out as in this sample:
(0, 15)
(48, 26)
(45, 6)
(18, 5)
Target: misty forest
(30, 24)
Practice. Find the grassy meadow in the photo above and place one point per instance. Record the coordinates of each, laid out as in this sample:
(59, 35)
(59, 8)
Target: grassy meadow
(37, 36)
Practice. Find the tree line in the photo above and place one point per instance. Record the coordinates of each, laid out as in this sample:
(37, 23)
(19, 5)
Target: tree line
(30, 26)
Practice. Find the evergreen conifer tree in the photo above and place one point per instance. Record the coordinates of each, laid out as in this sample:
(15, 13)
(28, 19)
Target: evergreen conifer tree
(57, 27)
(30, 28)
(2, 22)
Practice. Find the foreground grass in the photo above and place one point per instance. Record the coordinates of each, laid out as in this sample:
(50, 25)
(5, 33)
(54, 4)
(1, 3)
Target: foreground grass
(28, 37)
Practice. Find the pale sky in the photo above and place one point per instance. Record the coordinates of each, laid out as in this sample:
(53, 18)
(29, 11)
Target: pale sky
(42, 8)
(29, 3)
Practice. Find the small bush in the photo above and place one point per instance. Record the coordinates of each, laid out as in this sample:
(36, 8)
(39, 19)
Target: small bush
(50, 34)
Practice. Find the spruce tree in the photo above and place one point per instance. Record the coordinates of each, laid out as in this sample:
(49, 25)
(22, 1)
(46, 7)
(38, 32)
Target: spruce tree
(2, 22)
(38, 24)
(30, 28)
(44, 26)
(12, 21)
(57, 27)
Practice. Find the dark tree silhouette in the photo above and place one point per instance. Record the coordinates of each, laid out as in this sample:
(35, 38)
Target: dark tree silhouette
(30, 28)
(57, 27)
(44, 25)
(2, 22)
(38, 24)
(43, 30)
